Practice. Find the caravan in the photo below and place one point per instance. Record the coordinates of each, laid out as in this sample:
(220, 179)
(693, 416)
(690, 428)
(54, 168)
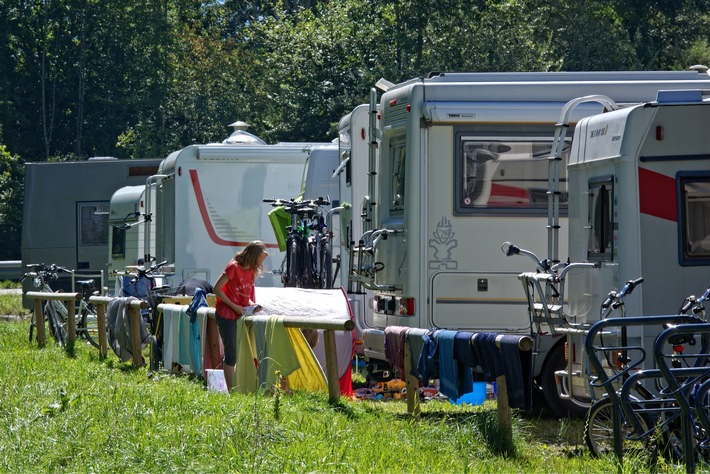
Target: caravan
(461, 167)
(65, 216)
(641, 210)
(205, 203)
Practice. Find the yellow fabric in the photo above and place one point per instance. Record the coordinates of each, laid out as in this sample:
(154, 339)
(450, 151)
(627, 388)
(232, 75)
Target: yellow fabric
(279, 356)
(245, 378)
(309, 377)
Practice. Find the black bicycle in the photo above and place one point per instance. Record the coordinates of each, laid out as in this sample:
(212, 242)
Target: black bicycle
(56, 313)
(309, 260)
(646, 419)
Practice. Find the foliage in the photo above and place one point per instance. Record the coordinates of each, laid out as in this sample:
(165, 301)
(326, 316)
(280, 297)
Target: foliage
(139, 79)
(11, 197)
(82, 414)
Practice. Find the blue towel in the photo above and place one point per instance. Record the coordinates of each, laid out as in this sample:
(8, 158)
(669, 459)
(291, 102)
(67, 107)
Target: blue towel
(199, 300)
(487, 355)
(517, 366)
(448, 368)
(463, 352)
(428, 359)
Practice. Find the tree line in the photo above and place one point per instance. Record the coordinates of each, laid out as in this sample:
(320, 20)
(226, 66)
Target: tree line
(142, 78)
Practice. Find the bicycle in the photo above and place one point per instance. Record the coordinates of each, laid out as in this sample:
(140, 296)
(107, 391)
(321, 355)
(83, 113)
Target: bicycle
(56, 313)
(309, 261)
(646, 419)
(142, 283)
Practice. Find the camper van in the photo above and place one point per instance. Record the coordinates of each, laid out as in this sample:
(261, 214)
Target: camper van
(641, 209)
(205, 203)
(66, 211)
(355, 152)
(462, 166)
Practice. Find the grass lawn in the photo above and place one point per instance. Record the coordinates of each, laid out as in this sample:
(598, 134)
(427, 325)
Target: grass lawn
(61, 413)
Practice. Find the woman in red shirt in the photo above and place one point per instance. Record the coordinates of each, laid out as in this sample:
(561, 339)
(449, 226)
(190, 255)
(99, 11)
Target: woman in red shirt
(235, 291)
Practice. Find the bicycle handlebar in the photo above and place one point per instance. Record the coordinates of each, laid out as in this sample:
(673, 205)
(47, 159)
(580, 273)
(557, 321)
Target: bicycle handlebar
(292, 205)
(614, 299)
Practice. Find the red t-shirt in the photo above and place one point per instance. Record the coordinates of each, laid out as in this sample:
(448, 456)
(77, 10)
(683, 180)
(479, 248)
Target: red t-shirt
(239, 289)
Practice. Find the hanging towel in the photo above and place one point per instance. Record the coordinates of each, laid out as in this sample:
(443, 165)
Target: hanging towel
(517, 366)
(463, 351)
(414, 339)
(448, 369)
(168, 339)
(428, 364)
(274, 350)
(309, 376)
(119, 328)
(245, 380)
(394, 346)
(487, 355)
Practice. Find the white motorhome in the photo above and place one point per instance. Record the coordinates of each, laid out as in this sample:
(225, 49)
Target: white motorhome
(462, 167)
(355, 152)
(206, 203)
(641, 209)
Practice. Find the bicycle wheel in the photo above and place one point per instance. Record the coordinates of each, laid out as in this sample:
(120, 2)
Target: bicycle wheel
(326, 267)
(89, 324)
(56, 326)
(294, 266)
(309, 274)
(599, 430)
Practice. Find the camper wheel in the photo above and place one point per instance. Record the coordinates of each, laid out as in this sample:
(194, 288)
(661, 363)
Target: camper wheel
(561, 408)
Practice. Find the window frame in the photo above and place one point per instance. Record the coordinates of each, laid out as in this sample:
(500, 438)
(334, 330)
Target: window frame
(684, 178)
(534, 135)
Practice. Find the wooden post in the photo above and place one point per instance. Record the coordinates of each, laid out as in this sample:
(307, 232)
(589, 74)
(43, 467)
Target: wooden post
(505, 418)
(101, 302)
(38, 297)
(71, 321)
(101, 321)
(331, 363)
(39, 324)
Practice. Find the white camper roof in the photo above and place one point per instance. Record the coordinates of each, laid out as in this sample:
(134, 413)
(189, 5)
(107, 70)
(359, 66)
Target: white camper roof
(241, 153)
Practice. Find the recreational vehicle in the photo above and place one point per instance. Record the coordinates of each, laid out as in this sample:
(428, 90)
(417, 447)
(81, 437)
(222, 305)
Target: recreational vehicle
(355, 152)
(205, 204)
(65, 216)
(462, 166)
(641, 209)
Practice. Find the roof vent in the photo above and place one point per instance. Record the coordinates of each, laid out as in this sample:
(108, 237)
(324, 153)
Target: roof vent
(241, 137)
(701, 68)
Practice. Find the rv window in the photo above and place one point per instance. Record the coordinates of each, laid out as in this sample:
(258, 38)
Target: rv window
(399, 155)
(498, 174)
(696, 217)
(601, 219)
(93, 223)
(118, 242)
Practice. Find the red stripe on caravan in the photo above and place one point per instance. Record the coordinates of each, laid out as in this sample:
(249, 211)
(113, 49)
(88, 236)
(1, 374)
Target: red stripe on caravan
(657, 195)
(206, 217)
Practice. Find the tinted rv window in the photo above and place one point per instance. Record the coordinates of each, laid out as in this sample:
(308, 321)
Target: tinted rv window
(93, 223)
(696, 218)
(398, 152)
(505, 175)
(118, 242)
(601, 219)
